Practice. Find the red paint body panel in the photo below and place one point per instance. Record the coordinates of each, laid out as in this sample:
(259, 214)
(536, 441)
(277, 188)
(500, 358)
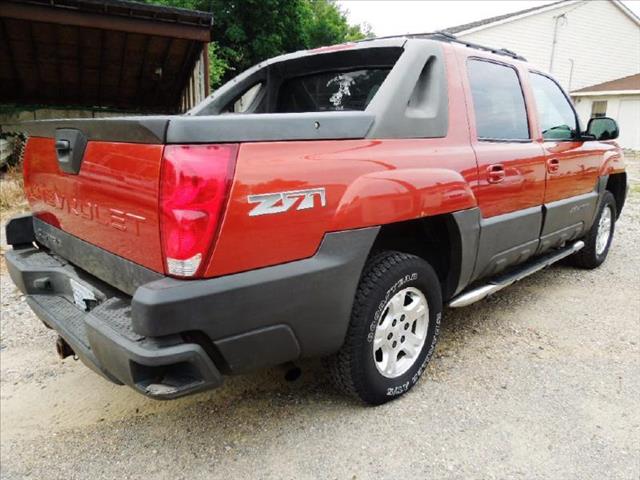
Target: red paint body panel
(111, 203)
(367, 182)
(613, 160)
(524, 177)
(114, 201)
(578, 170)
(523, 163)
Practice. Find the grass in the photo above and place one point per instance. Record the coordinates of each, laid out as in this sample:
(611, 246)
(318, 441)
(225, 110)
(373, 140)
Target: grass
(12, 198)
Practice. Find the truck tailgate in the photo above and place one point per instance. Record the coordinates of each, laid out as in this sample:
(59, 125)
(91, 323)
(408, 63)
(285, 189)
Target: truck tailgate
(111, 203)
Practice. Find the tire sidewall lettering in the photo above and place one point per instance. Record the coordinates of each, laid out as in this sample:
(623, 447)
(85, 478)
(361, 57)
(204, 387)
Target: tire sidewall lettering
(404, 384)
(411, 277)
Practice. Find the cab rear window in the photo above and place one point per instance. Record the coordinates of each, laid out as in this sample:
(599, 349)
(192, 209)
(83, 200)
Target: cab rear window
(344, 78)
(330, 91)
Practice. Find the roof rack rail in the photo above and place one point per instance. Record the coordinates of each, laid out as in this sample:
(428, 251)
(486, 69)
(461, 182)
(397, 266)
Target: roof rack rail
(449, 38)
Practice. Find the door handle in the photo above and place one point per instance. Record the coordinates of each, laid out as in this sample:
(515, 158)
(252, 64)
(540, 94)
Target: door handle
(495, 173)
(553, 165)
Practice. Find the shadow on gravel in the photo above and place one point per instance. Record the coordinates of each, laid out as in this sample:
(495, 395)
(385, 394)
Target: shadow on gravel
(267, 393)
(76, 397)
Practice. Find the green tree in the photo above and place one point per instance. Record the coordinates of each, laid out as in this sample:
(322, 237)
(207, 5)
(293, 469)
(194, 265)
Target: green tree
(327, 25)
(246, 32)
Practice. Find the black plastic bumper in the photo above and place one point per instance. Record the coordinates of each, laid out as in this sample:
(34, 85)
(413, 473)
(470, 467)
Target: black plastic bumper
(102, 337)
(175, 337)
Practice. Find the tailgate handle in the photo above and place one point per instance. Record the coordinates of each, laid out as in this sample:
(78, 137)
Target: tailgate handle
(70, 145)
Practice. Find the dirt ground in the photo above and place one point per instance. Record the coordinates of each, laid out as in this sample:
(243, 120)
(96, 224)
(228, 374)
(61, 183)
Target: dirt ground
(540, 381)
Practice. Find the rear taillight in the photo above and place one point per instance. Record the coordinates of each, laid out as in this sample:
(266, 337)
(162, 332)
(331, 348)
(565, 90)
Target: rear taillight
(194, 185)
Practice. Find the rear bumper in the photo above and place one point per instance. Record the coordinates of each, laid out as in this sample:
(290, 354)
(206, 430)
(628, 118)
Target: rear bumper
(176, 337)
(102, 337)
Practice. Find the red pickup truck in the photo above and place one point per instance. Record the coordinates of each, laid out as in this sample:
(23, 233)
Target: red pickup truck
(323, 203)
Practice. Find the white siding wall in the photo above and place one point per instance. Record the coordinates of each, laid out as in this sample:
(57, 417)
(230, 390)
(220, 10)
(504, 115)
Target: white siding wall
(625, 109)
(603, 42)
(583, 107)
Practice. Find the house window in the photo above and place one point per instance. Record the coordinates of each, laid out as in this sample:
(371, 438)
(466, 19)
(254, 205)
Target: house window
(599, 109)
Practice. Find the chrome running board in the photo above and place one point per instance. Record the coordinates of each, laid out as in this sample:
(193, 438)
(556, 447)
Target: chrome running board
(502, 281)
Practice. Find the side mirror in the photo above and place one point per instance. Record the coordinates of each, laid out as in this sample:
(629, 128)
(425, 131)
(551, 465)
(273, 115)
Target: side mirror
(603, 128)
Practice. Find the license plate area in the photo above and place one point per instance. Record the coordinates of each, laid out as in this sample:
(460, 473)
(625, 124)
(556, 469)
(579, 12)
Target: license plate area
(83, 297)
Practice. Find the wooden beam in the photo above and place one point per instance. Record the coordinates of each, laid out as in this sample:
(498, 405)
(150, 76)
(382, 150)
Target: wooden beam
(139, 87)
(34, 49)
(207, 84)
(100, 65)
(4, 36)
(122, 61)
(163, 66)
(79, 51)
(56, 56)
(186, 70)
(41, 13)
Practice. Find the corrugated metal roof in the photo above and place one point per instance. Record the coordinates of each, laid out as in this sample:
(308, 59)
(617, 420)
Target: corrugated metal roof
(112, 53)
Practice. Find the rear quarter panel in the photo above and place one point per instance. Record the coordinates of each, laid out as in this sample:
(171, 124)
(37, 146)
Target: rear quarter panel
(367, 182)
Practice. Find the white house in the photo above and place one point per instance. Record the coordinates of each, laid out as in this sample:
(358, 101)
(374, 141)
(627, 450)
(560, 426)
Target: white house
(587, 45)
(619, 99)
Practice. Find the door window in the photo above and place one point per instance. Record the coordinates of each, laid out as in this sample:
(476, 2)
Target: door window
(498, 102)
(555, 113)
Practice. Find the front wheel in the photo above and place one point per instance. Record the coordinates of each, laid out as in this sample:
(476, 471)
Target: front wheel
(598, 239)
(393, 329)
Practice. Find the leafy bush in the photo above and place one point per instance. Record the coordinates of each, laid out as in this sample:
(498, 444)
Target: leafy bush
(245, 32)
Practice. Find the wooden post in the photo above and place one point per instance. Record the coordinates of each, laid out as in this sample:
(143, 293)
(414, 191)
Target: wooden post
(207, 86)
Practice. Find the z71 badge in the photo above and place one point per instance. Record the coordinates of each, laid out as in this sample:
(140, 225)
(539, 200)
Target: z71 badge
(283, 201)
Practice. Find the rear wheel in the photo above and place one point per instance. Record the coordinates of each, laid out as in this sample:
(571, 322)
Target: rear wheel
(598, 240)
(393, 329)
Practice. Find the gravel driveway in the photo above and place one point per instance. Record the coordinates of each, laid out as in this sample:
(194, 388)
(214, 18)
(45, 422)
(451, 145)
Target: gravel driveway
(540, 381)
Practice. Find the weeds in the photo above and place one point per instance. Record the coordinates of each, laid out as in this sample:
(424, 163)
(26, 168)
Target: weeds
(11, 191)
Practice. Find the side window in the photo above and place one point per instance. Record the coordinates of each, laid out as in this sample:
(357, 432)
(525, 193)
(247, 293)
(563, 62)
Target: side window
(242, 103)
(555, 113)
(498, 102)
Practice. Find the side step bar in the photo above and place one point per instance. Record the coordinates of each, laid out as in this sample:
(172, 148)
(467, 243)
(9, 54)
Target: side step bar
(502, 281)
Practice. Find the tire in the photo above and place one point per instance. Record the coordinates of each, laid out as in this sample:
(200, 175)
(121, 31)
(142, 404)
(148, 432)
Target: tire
(392, 285)
(594, 253)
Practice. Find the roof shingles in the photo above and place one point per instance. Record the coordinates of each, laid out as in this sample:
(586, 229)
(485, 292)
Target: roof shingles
(486, 21)
(631, 82)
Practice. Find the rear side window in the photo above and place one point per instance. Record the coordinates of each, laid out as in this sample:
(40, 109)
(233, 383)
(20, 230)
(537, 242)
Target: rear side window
(245, 101)
(330, 91)
(555, 113)
(498, 101)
